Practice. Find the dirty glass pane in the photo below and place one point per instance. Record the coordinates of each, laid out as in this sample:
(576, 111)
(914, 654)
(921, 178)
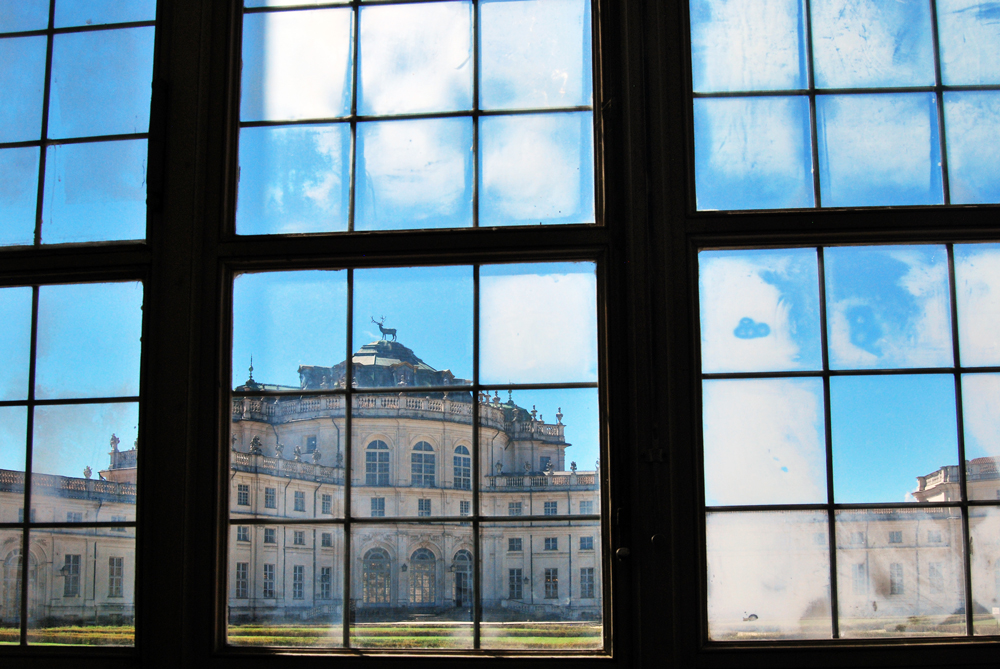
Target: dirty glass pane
(981, 412)
(13, 430)
(759, 310)
(977, 284)
(969, 31)
(414, 174)
(413, 326)
(15, 342)
(893, 437)
(410, 587)
(84, 575)
(18, 195)
(972, 121)
(900, 573)
(538, 323)
(544, 459)
(22, 80)
(18, 15)
(768, 576)
(95, 192)
(888, 307)
(984, 536)
(878, 150)
(764, 441)
(296, 65)
(741, 46)
(294, 179)
(93, 329)
(286, 586)
(542, 586)
(753, 153)
(535, 54)
(536, 168)
(860, 43)
(415, 58)
(10, 605)
(95, 12)
(286, 325)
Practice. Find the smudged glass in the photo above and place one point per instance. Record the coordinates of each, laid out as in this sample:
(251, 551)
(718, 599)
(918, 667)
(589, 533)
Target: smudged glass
(981, 424)
(22, 80)
(984, 536)
(15, 342)
(18, 195)
(969, 31)
(972, 122)
(95, 12)
(977, 288)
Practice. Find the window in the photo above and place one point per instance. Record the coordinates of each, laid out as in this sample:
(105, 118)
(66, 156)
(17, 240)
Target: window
(933, 536)
(377, 463)
(551, 583)
(935, 577)
(551, 543)
(71, 576)
(116, 576)
(243, 494)
(423, 577)
(586, 508)
(269, 535)
(895, 578)
(859, 577)
(376, 578)
(463, 468)
(422, 466)
(298, 581)
(857, 538)
(378, 507)
(514, 508)
(118, 519)
(514, 545)
(515, 585)
(20, 515)
(327, 503)
(544, 462)
(423, 507)
(551, 508)
(586, 543)
(895, 537)
(310, 445)
(268, 589)
(464, 507)
(74, 516)
(299, 537)
(325, 582)
(586, 583)
(242, 533)
(300, 500)
(326, 539)
(242, 580)
(270, 498)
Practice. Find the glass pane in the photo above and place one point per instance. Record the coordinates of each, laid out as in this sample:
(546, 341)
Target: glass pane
(741, 46)
(286, 586)
(981, 413)
(84, 452)
(91, 68)
(23, 83)
(534, 467)
(890, 434)
(83, 582)
(414, 174)
(94, 12)
(287, 457)
(15, 342)
(18, 15)
(764, 442)
(768, 576)
(535, 54)
(10, 605)
(972, 122)
(431, 310)
(753, 153)
(536, 168)
(88, 340)
(759, 310)
(95, 192)
(878, 150)
(984, 537)
(291, 3)
(969, 31)
(415, 58)
(977, 288)
(410, 587)
(18, 195)
(13, 432)
(538, 323)
(888, 307)
(859, 43)
(900, 573)
(542, 586)
(294, 179)
(287, 326)
(296, 65)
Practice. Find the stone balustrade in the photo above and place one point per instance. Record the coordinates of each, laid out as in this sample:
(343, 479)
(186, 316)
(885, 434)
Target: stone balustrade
(571, 481)
(70, 487)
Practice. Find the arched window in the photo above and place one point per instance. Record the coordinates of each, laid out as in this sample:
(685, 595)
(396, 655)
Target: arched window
(422, 465)
(423, 581)
(377, 463)
(375, 577)
(11, 611)
(463, 578)
(463, 469)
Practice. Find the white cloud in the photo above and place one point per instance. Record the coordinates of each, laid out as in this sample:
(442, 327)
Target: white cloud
(977, 282)
(973, 123)
(981, 412)
(71, 437)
